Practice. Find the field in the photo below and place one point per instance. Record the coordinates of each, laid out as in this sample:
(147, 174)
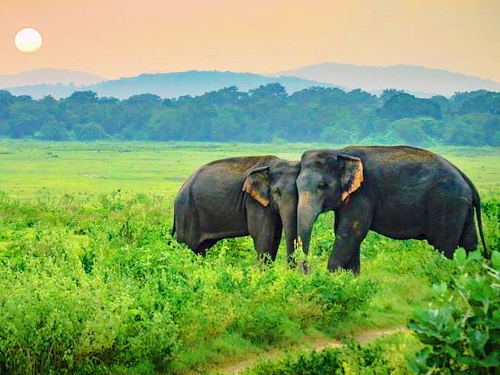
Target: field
(92, 282)
(161, 168)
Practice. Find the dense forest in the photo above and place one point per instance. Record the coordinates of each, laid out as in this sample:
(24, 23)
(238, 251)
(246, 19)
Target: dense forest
(264, 114)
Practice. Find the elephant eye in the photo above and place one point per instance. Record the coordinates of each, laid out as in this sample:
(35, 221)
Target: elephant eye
(322, 185)
(277, 191)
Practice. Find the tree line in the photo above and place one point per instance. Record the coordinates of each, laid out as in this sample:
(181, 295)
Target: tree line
(264, 114)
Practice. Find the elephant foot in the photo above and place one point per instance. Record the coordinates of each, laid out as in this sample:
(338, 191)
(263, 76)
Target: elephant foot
(333, 267)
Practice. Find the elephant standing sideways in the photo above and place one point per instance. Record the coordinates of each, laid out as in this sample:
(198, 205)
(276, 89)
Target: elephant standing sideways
(235, 197)
(400, 192)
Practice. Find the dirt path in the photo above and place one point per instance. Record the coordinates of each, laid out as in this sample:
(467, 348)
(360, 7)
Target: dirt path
(240, 364)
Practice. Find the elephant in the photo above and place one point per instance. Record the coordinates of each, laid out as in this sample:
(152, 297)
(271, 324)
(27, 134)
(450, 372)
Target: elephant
(253, 195)
(400, 192)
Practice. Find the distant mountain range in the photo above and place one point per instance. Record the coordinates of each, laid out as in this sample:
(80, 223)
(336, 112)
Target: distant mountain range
(422, 82)
(165, 85)
(172, 85)
(48, 76)
(417, 80)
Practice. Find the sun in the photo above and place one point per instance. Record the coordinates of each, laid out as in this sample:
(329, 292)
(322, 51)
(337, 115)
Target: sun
(28, 40)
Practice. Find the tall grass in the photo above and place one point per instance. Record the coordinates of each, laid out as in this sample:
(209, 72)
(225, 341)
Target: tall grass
(95, 283)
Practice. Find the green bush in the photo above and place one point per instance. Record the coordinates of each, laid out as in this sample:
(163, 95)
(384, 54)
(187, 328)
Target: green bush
(96, 284)
(461, 328)
(491, 212)
(383, 356)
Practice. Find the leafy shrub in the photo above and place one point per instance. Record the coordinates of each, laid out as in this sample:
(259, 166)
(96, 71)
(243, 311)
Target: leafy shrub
(383, 356)
(97, 284)
(55, 320)
(491, 211)
(461, 329)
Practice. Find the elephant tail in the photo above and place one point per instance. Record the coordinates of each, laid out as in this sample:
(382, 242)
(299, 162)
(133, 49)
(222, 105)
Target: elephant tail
(173, 229)
(477, 206)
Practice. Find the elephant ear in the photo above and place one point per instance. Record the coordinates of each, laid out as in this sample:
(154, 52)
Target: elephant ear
(257, 185)
(351, 176)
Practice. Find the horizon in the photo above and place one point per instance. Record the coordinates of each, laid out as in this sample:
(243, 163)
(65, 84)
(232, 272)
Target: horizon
(415, 80)
(116, 39)
(271, 74)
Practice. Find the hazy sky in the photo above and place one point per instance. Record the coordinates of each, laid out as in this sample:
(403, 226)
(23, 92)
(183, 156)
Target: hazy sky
(127, 37)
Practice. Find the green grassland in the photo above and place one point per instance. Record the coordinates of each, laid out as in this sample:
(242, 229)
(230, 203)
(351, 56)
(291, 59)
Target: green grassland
(161, 168)
(158, 168)
(92, 282)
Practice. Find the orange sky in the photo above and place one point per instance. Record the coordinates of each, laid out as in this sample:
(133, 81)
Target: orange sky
(121, 38)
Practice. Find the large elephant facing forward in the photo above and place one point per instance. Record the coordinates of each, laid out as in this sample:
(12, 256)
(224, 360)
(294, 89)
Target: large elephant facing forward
(235, 197)
(400, 192)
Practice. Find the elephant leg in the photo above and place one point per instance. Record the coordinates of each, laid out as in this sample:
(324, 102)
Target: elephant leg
(351, 227)
(275, 242)
(447, 228)
(267, 241)
(346, 253)
(469, 240)
(203, 246)
(265, 229)
(354, 262)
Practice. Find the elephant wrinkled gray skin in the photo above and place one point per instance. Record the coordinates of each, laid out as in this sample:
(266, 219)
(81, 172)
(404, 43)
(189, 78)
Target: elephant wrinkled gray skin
(235, 197)
(400, 192)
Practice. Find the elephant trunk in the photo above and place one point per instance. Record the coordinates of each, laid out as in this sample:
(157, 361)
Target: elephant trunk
(289, 220)
(307, 212)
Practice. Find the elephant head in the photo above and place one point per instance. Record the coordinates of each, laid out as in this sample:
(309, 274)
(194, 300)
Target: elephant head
(273, 186)
(326, 181)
